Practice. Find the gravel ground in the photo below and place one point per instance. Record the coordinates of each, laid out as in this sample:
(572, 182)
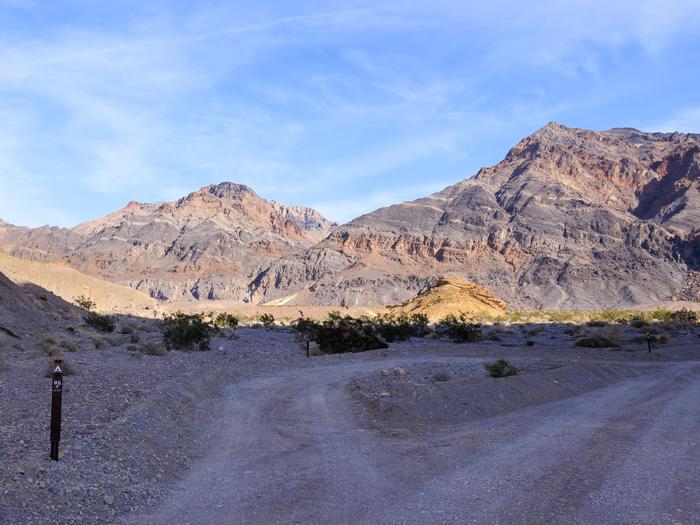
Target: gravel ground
(130, 422)
(138, 427)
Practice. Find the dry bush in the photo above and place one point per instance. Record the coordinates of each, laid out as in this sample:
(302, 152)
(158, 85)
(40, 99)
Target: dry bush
(500, 368)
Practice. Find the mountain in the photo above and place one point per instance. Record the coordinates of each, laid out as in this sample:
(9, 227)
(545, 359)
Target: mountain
(570, 218)
(207, 245)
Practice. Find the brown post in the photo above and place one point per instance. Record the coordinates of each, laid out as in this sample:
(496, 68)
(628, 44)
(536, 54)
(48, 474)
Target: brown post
(56, 397)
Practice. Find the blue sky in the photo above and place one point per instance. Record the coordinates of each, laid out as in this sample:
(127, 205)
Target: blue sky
(344, 106)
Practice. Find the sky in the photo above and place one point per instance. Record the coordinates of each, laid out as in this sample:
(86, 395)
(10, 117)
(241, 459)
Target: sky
(344, 106)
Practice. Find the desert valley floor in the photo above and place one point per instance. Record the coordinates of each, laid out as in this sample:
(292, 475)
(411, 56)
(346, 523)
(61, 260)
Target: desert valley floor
(253, 431)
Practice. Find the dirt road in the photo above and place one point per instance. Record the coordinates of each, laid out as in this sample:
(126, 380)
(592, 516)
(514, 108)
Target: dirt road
(293, 448)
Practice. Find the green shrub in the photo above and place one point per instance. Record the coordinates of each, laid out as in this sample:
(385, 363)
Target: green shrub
(340, 334)
(460, 329)
(103, 323)
(500, 368)
(186, 332)
(85, 303)
(683, 316)
(225, 320)
(597, 341)
(267, 320)
(399, 327)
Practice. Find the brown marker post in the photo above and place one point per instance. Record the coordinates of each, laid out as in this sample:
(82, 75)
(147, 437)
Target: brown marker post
(56, 397)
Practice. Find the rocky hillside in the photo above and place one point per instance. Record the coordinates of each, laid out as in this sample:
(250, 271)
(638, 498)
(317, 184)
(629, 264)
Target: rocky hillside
(29, 312)
(452, 296)
(68, 283)
(208, 245)
(569, 219)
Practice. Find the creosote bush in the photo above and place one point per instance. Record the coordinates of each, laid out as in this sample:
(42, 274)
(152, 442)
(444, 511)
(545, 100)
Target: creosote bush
(186, 332)
(85, 303)
(460, 329)
(597, 341)
(500, 368)
(267, 320)
(341, 334)
(103, 323)
(226, 320)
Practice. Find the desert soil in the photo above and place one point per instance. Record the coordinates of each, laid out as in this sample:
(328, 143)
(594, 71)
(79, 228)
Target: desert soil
(253, 432)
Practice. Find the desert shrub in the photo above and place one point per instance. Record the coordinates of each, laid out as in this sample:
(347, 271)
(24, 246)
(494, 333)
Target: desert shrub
(267, 320)
(126, 329)
(340, 334)
(683, 316)
(398, 327)
(98, 343)
(597, 341)
(103, 323)
(85, 303)
(529, 342)
(186, 332)
(597, 323)
(226, 320)
(639, 323)
(661, 339)
(152, 348)
(69, 345)
(500, 368)
(460, 329)
(441, 377)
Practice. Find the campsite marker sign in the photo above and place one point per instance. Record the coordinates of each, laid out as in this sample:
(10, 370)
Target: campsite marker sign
(56, 395)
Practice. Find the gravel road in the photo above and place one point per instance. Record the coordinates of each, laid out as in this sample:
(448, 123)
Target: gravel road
(293, 447)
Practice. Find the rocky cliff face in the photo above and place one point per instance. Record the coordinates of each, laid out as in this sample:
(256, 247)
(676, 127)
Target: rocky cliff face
(569, 219)
(208, 245)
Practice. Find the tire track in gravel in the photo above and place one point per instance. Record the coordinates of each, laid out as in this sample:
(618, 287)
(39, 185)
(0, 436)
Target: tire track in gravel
(291, 448)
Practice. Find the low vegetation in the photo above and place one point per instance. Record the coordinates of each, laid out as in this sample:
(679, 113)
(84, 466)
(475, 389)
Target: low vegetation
(597, 341)
(341, 334)
(186, 332)
(103, 323)
(460, 329)
(267, 320)
(225, 320)
(500, 368)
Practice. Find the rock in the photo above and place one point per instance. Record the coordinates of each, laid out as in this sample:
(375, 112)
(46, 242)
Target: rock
(108, 500)
(399, 371)
(383, 372)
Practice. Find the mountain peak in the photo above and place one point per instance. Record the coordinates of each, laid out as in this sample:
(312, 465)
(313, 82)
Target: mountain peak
(228, 189)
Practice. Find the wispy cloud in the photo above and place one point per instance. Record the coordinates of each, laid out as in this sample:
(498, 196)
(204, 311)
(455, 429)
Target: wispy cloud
(336, 103)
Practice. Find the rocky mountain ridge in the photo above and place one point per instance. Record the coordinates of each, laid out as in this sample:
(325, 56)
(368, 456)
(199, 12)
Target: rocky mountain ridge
(570, 218)
(207, 245)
